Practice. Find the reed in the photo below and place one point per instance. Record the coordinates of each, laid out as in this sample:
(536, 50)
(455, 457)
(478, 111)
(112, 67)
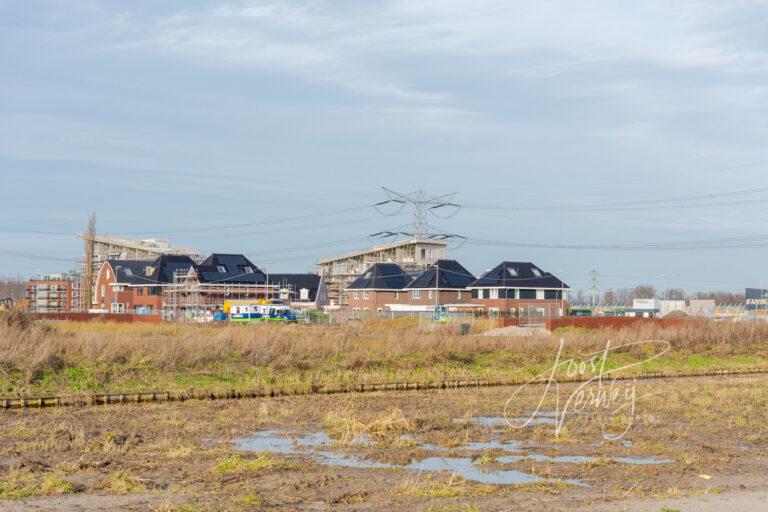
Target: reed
(58, 354)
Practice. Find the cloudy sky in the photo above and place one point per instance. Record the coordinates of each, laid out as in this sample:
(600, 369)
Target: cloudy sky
(574, 133)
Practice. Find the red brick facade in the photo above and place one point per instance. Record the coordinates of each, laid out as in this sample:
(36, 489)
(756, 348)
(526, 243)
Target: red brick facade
(49, 294)
(523, 307)
(114, 297)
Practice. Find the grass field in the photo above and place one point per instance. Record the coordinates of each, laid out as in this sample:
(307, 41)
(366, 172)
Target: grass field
(62, 358)
(707, 435)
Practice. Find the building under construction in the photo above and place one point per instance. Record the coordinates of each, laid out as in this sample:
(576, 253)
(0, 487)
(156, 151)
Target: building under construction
(107, 247)
(413, 254)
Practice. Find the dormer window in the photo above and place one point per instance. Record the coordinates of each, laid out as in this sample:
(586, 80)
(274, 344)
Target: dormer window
(128, 272)
(222, 269)
(248, 270)
(512, 271)
(148, 270)
(536, 272)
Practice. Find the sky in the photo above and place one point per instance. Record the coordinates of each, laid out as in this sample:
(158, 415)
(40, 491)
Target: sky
(577, 135)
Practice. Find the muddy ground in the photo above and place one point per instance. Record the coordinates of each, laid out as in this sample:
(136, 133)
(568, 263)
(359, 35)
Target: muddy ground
(690, 444)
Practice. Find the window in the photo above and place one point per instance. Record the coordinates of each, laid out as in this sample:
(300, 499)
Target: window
(118, 308)
(75, 294)
(494, 293)
(103, 290)
(128, 272)
(536, 272)
(397, 295)
(493, 311)
(304, 294)
(140, 290)
(355, 295)
(108, 274)
(479, 294)
(222, 269)
(539, 294)
(458, 295)
(429, 294)
(248, 270)
(366, 309)
(512, 271)
(365, 294)
(416, 294)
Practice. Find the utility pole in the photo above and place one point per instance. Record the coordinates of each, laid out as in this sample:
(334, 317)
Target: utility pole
(90, 242)
(593, 286)
(437, 289)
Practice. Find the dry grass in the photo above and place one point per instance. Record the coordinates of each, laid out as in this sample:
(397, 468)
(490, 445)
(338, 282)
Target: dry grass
(95, 357)
(345, 427)
(19, 483)
(237, 464)
(450, 486)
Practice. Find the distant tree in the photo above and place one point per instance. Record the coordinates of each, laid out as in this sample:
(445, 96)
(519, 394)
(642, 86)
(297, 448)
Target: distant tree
(623, 295)
(609, 297)
(721, 297)
(13, 287)
(579, 297)
(644, 291)
(674, 294)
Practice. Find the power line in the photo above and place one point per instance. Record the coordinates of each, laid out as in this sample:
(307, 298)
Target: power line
(422, 205)
(712, 243)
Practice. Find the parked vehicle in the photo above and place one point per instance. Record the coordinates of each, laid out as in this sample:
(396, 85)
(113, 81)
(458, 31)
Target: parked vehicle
(249, 312)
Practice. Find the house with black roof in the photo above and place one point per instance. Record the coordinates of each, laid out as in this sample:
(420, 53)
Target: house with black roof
(175, 285)
(443, 282)
(229, 268)
(135, 286)
(301, 291)
(380, 284)
(519, 289)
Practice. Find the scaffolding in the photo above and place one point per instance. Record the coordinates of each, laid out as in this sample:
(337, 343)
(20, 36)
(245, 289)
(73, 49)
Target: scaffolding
(412, 254)
(189, 299)
(106, 247)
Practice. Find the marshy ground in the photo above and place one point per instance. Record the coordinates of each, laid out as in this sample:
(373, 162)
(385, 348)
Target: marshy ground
(702, 440)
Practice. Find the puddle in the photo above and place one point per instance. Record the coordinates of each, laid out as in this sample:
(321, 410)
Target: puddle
(464, 467)
(362, 440)
(508, 446)
(271, 440)
(282, 442)
(561, 459)
(641, 461)
(578, 459)
(314, 439)
(541, 418)
(347, 461)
